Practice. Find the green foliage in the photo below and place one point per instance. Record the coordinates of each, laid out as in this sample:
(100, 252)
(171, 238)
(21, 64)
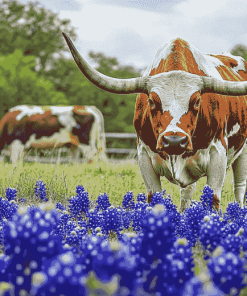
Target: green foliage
(240, 50)
(19, 84)
(32, 29)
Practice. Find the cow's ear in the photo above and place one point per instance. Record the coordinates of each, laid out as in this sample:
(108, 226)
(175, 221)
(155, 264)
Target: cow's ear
(142, 122)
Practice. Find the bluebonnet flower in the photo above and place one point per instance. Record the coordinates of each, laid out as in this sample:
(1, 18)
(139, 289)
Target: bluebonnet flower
(60, 228)
(178, 268)
(229, 228)
(126, 268)
(61, 275)
(157, 198)
(191, 221)
(126, 218)
(75, 232)
(158, 234)
(169, 275)
(103, 261)
(232, 242)
(207, 198)
(138, 214)
(40, 190)
(128, 201)
(7, 209)
(112, 220)
(166, 201)
(226, 271)
(90, 248)
(79, 190)
(11, 193)
(233, 213)
(95, 219)
(102, 202)
(79, 204)
(141, 197)
(22, 200)
(210, 232)
(60, 207)
(27, 242)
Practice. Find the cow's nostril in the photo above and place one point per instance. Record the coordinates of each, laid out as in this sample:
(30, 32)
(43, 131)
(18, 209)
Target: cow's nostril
(184, 142)
(165, 142)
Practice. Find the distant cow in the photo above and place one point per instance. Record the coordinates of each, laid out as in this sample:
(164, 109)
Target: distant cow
(190, 117)
(81, 128)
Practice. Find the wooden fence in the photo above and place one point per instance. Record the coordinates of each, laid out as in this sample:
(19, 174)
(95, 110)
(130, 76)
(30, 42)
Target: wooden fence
(132, 152)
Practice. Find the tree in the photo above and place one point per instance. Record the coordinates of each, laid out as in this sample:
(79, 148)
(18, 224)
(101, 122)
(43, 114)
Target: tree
(20, 85)
(240, 50)
(34, 30)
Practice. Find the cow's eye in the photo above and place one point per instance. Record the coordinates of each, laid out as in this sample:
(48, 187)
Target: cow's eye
(197, 104)
(152, 104)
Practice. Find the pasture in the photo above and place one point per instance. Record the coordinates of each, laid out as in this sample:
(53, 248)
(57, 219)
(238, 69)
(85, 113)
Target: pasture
(114, 178)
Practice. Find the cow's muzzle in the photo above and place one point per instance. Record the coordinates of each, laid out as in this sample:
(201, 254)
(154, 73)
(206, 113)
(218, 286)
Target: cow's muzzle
(174, 145)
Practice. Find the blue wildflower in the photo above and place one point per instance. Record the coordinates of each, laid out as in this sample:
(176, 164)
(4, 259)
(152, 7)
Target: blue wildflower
(79, 204)
(11, 193)
(102, 202)
(226, 271)
(210, 232)
(141, 197)
(61, 275)
(128, 201)
(40, 190)
(207, 198)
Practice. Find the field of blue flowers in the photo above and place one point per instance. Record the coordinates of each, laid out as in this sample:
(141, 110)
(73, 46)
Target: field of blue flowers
(135, 249)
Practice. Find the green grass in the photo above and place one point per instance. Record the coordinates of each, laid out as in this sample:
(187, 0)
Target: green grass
(113, 178)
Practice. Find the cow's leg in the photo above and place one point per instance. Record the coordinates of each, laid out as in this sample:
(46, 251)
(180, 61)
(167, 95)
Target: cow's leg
(74, 154)
(88, 152)
(239, 168)
(16, 151)
(216, 172)
(186, 196)
(150, 176)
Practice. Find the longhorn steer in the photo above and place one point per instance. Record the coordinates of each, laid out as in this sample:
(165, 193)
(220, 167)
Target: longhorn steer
(45, 127)
(190, 117)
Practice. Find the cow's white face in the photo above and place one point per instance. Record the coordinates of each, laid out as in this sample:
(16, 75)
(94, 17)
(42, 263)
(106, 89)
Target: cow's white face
(174, 102)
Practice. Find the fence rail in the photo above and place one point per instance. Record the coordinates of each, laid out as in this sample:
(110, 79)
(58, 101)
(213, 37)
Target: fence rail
(129, 151)
(53, 159)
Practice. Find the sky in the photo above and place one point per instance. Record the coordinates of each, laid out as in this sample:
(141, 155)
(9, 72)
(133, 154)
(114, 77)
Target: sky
(134, 30)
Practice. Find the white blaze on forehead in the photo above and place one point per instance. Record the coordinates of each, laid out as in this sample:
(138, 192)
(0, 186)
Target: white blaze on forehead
(26, 111)
(175, 89)
(205, 62)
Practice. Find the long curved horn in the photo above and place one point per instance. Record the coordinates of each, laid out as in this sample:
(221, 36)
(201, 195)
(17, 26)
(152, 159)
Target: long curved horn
(229, 88)
(114, 85)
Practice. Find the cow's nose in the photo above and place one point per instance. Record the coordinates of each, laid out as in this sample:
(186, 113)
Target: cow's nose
(175, 144)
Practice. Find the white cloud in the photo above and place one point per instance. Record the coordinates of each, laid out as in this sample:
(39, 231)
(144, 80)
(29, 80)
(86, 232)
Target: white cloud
(133, 33)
